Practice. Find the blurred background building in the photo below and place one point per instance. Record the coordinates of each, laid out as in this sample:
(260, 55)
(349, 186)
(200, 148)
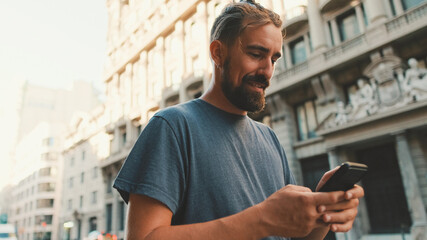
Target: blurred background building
(86, 142)
(36, 180)
(351, 86)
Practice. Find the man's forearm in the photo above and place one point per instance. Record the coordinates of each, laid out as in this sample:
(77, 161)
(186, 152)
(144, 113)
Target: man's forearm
(243, 225)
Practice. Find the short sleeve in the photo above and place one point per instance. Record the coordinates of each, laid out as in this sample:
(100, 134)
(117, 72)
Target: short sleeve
(155, 166)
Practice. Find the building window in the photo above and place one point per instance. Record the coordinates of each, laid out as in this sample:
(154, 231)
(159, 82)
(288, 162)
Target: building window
(306, 120)
(72, 161)
(81, 201)
(298, 52)
(122, 215)
(348, 25)
(45, 172)
(109, 183)
(109, 217)
(70, 204)
(95, 172)
(46, 187)
(82, 177)
(83, 155)
(94, 197)
(122, 136)
(407, 4)
(70, 182)
(48, 142)
(44, 203)
(92, 224)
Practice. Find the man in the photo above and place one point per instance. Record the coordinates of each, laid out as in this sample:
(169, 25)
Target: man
(205, 170)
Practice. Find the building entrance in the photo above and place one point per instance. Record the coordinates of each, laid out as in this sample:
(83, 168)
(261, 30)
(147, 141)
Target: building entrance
(384, 194)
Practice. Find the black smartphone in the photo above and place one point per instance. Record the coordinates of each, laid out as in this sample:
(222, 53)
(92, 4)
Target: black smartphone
(345, 177)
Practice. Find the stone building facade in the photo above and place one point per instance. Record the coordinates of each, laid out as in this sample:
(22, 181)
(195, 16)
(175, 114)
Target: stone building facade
(82, 197)
(351, 86)
(37, 167)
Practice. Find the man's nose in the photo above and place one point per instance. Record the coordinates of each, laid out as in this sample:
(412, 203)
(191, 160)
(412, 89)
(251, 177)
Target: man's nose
(266, 69)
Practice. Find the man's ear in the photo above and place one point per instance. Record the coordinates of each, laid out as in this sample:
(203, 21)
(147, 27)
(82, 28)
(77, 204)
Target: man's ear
(217, 49)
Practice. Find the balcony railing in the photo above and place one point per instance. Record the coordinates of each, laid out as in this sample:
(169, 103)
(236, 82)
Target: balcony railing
(344, 47)
(409, 17)
(295, 18)
(330, 5)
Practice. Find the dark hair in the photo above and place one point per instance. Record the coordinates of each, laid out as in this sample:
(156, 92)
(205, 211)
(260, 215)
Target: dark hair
(236, 17)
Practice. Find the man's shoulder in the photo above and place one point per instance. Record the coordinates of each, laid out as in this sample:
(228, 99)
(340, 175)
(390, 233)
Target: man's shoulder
(179, 111)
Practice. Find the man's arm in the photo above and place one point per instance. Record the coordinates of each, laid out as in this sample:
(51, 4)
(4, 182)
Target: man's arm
(293, 211)
(151, 219)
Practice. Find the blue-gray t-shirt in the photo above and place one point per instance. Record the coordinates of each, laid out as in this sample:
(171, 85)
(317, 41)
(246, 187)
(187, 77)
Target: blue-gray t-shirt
(204, 163)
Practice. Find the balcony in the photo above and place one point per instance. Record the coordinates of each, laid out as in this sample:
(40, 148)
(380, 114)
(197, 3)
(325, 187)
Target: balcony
(331, 5)
(294, 19)
(170, 95)
(407, 24)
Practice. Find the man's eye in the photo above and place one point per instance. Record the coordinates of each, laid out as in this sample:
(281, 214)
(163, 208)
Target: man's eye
(255, 55)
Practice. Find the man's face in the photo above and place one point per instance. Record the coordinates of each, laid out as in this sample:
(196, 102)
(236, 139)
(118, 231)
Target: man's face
(249, 66)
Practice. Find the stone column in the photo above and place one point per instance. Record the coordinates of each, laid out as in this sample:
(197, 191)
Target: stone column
(283, 123)
(130, 134)
(411, 187)
(115, 213)
(317, 33)
(116, 140)
(143, 91)
(160, 48)
(398, 7)
(360, 18)
(128, 88)
(202, 20)
(307, 45)
(333, 158)
(288, 55)
(335, 32)
(334, 161)
(376, 12)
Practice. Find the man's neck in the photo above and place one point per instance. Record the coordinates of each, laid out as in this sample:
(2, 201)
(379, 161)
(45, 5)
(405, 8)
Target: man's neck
(215, 96)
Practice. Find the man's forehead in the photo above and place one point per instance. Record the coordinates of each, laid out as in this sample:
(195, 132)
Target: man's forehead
(266, 35)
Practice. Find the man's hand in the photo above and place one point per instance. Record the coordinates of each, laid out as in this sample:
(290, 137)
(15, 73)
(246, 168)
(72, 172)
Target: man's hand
(341, 215)
(295, 211)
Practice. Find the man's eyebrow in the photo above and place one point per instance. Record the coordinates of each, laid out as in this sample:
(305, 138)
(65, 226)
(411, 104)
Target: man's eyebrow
(263, 49)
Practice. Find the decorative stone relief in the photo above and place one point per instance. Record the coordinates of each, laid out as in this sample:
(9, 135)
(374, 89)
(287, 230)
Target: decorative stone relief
(387, 86)
(414, 82)
(365, 101)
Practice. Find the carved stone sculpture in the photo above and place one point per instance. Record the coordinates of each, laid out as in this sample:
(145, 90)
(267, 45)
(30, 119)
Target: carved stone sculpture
(414, 83)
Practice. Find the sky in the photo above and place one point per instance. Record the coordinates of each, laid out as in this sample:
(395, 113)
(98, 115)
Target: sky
(49, 43)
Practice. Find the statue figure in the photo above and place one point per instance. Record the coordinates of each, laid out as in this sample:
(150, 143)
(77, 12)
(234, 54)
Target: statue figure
(341, 115)
(414, 83)
(366, 97)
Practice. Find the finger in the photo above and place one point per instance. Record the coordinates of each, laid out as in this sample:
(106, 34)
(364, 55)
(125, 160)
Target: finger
(356, 192)
(346, 204)
(345, 227)
(296, 188)
(341, 216)
(328, 198)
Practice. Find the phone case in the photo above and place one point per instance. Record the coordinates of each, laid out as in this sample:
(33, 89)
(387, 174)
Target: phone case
(345, 177)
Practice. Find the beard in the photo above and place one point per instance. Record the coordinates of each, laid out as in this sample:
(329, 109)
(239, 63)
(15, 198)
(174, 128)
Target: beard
(240, 96)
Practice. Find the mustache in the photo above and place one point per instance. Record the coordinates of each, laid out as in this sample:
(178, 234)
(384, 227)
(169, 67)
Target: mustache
(261, 79)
